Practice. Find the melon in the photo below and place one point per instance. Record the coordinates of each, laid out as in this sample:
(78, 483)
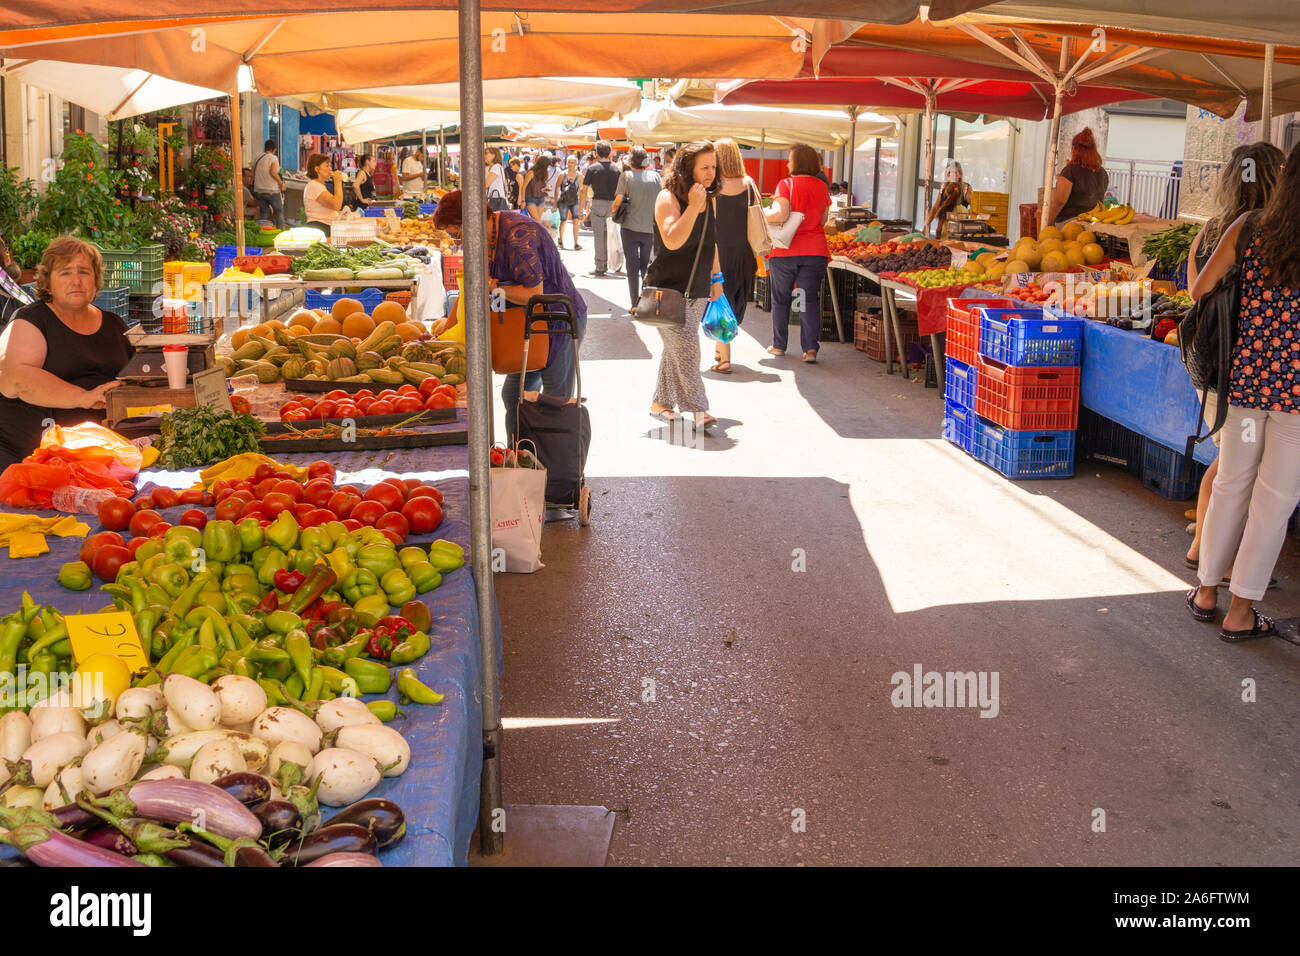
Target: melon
(303, 319)
(328, 326)
(996, 270)
(1093, 254)
(274, 324)
(238, 339)
(1074, 255)
(1085, 237)
(409, 331)
(1049, 232)
(1016, 266)
(1052, 245)
(390, 312)
(985, 258)
(1055, 262)
(344, 307)
(1071, 230)
(1030, 253)
(357, 325)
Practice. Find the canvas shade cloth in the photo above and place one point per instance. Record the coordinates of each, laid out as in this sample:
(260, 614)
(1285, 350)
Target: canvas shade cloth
(573, 97)
(372, 125)
(113, 92)
(756, 125)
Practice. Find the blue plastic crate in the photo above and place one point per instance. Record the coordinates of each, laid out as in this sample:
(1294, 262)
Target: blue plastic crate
(427, 208)
(226, 256)
(959, 425)
(1101, 439)
(959, 383)
(117, 300)
(1030, 337)
(450, 306)
(315, 299)
(1024, 454)
(377, 212)
(1162, 472)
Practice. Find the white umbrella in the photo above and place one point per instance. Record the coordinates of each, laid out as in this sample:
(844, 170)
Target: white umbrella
(379, 123)
(112, 91)
(776, 127)
(563, 96)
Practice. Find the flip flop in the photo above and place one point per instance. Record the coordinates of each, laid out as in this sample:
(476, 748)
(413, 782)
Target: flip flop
(668, 415)
(775, 351)
(1199, 613)
(720, 370)
(1236, 637)
(709, 422)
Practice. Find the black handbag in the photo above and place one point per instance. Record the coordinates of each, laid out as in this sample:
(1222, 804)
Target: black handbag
(666, 308)
(620, 213)
(1207, 336)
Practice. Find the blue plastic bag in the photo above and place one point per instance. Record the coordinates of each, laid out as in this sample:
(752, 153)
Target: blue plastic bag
(719, 322)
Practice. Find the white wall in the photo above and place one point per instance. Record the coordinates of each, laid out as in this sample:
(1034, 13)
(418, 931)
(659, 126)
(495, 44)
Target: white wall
(1156, 138)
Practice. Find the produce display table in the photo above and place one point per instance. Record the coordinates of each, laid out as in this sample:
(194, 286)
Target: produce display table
(892, 331)
(1134, 233)
(439, 793)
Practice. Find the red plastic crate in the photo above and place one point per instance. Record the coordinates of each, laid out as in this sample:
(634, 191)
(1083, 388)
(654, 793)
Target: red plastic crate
(1027, 399)
(270, 264)
(452, 264)
(962, 340)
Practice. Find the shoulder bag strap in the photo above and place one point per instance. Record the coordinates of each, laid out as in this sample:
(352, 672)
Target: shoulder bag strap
(690, 280)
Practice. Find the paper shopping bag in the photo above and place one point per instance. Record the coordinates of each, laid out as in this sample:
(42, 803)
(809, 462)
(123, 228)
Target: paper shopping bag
(518, 513)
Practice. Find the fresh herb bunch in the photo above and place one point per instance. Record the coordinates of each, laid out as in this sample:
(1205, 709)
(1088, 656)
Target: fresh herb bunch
(1169, 247)
(324, 256)
(411, 209)
(195, 437)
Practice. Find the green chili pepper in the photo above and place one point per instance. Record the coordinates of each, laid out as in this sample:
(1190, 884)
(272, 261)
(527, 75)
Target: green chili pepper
(411, 687)
(371, 678)
(385, 710)
(294, 687)
(194, 661)
(315, 686)
(267, 652)
(411, 649)
(185, 600)
(274, 696)
(298, 645)
(339, 655)
(43, 663)
(282, 622)
(338, 682)
(184, 640)
(51, 637)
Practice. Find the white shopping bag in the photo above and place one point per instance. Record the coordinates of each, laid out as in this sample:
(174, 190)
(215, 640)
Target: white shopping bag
(428, 303)
(518, 512)
(614, 244)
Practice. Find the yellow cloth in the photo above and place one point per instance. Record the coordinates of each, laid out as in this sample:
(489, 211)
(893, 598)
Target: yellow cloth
(25, 534)
(242, 466)
(150, 455)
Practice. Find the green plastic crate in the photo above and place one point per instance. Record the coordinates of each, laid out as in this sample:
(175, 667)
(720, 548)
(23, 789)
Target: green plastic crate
(140, 270)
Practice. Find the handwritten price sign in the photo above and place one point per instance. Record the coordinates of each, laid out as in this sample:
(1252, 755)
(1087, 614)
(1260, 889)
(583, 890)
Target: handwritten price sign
(112, 632)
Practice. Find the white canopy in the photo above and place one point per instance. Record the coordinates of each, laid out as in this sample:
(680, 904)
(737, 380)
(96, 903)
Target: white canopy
(369, 125)
(755, 125)
(112, 91)
(564, 96)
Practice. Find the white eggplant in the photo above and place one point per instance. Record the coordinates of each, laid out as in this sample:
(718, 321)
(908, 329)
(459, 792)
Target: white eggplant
(56, 720)
(165, 772)
(60, 698)
(101, 732)
(216, 759)
(278, 724)
(384, 745)
(15, 735)
(114, 762)
(194, 701)
(72, 781)
(288, 751)
(24, 798)
(344, 712)
(169, 723)
(184, 748)
(345, 776)
(136, 702)
(49, 755)
(242, 699)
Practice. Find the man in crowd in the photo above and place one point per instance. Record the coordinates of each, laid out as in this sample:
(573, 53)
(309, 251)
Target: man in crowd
(268, 187)
(599, 185)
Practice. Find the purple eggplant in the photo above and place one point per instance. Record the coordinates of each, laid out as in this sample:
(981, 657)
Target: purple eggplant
(196, 854)
(382, 817)
(346, 859)
(247, 788)
(281, 821)
(73, 817)
(249, 854)
(184, 801)
(47, 847)
(339, 838)
(110, 838)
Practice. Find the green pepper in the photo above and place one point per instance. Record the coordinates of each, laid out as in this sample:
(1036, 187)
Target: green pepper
(11, 636)
(371, 677)
(397, 586)
(338, 682)
(411, 556)
(75, 576)
(424, 576)
(154, 594)
(172, 578)
(410, 686)
(151, 548)
(371, 608)
(150, 566)
(213, 599)
(181, 543)
(221, 541)
(298, 644)
(277, 670)
(411, 649)
(266, 651)
(251, 536)
(359, 584)
(43, 663)
(274, 696)
(339, 655)
(335, 531)
(242, 583)
(258, 557)
(275, 561)
(385, 710)
(231, 570)
(446, 555)
(282, 622)
(194, 661)
(283, 531)
(315, 539)
(304, 560)
(378, 559)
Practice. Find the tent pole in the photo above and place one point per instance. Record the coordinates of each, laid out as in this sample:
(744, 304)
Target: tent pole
(237, 167)
(1266, 116)
(853, 145)
(1049, 174)
(424, 149)
(875, 182)
(762, 148)
(929, 147)
(442, 156)
(472, 182)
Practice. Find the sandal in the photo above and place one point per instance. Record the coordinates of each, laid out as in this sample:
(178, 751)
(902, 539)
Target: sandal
(1266, 630)
(810, 358)
(708, 422)
(775, 351)
(666, 415)
(1199, 613)
(718, 368)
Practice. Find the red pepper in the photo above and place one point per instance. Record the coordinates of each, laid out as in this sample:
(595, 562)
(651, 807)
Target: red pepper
(313, 610)
(381, 643)
(398, 627)
(269, 603)
(289, 581)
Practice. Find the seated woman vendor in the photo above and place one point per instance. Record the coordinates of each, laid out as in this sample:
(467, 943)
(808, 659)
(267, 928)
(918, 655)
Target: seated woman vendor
(523, 261)
(60, 355)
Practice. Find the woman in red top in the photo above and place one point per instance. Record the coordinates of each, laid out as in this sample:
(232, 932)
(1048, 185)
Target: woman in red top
(804, 263)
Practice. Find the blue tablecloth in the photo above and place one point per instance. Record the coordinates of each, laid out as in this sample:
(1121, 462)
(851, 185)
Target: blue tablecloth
(440, 791)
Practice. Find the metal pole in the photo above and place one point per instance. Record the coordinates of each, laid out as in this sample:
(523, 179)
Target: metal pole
(442, 157)
(237, 166)
(1266, 114)
(762, 148)
(930, 119)
(853, 145)
(875, 182)
(424, 151)
(1049, 175)
(478, 355)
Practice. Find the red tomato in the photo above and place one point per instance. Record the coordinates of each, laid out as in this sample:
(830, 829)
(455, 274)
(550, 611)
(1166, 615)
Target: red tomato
(265, 487)
(423, 514)
(306, 402)
(381, 407)
(208, 501)
(411, 483)
(448, 390)
(229, 510)
(363, 405)
(160, 529)
(436, 401)
(425, 491)
(142, 522)
(396, 482)
(364, 393)
(97, 541)
(395, 522)
(350, 489)
(264, 470)
(389, 394)
(255, 511)
(342, 503)
(325, 410)
(109, 559)
(337, 394)
(368, 512)
(318, 491)
(301, 510)
(223, 494)
(298, 415)
(219, 486)
(347, 410)
(427, 386)
(320, 469)
(352, 524)
(290, 488)
(134, 545)
(243, 497)
(276, 502)
(191, 496)
(251, 508)
(407, 389)
(393, 536)
(318, 516)
(144, 503)
(115, 513)
(408, 404)
(194, 518)
(387, 495)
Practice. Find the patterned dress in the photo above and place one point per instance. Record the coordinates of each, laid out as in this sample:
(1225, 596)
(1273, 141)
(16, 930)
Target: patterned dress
(1267, 355)
(680, 385)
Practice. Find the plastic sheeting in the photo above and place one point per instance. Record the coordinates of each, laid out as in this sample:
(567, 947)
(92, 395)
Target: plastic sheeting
(440, 791)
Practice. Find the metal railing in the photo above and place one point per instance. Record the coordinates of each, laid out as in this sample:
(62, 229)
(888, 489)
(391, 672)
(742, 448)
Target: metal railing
(1149, 186)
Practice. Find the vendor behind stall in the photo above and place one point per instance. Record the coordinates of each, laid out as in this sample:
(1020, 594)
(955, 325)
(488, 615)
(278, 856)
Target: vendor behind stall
(60, 355)
(523, 261)
(320, 206)
(1082, 183)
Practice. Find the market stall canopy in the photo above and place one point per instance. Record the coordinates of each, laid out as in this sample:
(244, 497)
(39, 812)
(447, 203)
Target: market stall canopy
(568, 96)
(372, 125)
(114, 92)
(756, 125)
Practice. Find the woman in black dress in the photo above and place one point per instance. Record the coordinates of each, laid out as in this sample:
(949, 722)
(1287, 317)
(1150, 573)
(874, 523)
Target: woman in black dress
(60, 355)
(739, 266)
(363, 184)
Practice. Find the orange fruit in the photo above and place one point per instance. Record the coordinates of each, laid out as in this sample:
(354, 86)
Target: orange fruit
(303, 318)
(342, 308)
(275, 324)
(328, 326)
(239, 337)
(358, 325)
(409, 331)
(390, 312)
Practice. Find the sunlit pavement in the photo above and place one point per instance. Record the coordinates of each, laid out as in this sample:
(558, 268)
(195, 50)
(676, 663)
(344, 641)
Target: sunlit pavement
(714, 655)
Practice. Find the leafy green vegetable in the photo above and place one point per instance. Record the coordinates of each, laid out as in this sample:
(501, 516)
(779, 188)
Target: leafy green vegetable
(324, 256)
(412, 209)
(193, 437)
(1169, 247)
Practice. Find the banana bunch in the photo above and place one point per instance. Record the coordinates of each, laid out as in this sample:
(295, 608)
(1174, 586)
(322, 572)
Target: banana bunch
(1117, 215)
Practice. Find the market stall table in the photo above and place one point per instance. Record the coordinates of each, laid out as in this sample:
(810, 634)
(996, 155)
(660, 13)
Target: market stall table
(1134, 233)
(892, 330)
(439, 793)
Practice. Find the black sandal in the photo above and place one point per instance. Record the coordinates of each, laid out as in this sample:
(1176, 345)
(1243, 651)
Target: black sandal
(1200, 613)
(1236, 637)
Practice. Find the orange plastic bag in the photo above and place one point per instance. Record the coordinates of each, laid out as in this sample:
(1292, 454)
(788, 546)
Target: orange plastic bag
(86, 456)
(94, 442)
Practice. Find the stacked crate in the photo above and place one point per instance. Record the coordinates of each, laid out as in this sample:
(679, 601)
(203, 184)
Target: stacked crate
(993, 205)
(1016, 402)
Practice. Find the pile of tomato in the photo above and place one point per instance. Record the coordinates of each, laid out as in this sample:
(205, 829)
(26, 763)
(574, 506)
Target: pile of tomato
(405, 400)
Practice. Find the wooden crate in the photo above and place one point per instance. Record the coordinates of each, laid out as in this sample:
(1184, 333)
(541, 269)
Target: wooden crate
(869, 335)
(138, 396)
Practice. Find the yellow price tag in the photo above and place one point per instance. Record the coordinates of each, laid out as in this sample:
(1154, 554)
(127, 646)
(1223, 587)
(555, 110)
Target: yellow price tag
(112, 632)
